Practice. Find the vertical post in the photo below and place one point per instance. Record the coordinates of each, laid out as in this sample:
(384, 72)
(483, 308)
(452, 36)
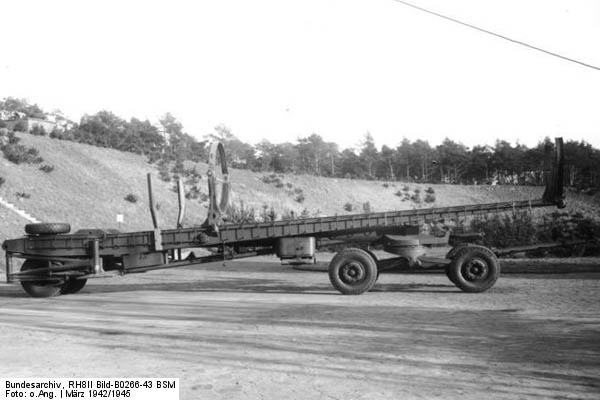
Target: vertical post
(96, 260)
(181, 198)
(9, 268)
(151, 202)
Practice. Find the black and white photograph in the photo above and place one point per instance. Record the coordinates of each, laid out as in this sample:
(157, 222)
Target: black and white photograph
(317, 199)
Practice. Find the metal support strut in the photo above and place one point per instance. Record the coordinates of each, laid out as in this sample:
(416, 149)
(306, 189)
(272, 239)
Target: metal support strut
(217, 207)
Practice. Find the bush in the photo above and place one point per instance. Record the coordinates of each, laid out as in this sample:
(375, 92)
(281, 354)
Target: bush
(506, 230)
(239, 214)
(2, 180)
(430, 198)
(38, 130)
(193, 193)
(268, 214)
(348, 207)
(298, 195)
(367, 207)
(416, 197)
(20, 127)
(178, 167)
(405, 188)
(164, 174)
(19, 154)
(47, 168)
(22, 195)
(386, 185)
(399, 193)
(132, 198)
(430, 190)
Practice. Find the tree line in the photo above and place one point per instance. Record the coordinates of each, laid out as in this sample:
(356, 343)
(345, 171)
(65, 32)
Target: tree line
(449, 162)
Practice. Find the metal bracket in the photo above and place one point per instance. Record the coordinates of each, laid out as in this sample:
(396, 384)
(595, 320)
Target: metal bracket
(217, 207)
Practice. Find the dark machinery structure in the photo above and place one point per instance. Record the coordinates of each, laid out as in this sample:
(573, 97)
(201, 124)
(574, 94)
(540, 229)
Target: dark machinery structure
(56, 262)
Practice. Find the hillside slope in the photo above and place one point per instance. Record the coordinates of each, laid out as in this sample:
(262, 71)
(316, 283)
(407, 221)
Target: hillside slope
(88, 186)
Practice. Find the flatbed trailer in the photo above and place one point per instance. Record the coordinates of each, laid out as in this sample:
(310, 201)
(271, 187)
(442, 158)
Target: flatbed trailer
(57, 262)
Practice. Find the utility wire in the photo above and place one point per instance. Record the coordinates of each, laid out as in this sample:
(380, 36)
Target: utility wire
(497, 35)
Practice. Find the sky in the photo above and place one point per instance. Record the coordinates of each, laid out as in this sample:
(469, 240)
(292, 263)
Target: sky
(279, 70)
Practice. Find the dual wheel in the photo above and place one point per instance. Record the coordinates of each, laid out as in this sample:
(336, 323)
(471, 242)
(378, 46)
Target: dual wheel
(473, 269)
(46, 286)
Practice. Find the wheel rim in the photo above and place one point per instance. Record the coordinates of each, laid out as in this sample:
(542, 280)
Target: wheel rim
(475, 269)
(43, 282)
(352, 272)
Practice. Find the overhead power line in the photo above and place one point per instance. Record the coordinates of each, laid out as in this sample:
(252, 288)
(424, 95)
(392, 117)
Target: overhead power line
(497, 35)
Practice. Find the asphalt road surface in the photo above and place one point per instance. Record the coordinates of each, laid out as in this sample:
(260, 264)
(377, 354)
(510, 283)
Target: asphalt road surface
(258, 330)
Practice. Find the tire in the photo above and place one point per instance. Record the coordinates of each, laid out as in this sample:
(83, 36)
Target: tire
(72, 286)
(448, 270)
(353, 271)
(474, 269)
(47, 228)
(42, 287)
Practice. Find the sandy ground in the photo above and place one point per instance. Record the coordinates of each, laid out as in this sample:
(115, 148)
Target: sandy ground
(258, 330)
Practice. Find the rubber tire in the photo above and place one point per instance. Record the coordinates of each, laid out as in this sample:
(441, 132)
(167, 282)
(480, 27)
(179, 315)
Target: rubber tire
(363, 260)
(47, 228)
(448, 271)
(466, 255)
(452, 254)
(72, 286)
(40, 288)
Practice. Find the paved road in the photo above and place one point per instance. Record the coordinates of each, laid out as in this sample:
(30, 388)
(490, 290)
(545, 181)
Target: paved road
(258, 330)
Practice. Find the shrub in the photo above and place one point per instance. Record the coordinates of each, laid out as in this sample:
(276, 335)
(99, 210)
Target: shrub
(399, 193)
(430, 190)
(417, 191)
(348, 207)
(163, 173)
(12, 138)
(239, 214)
(22, 195)
(20, 127)
(268, 214)
(506, 230)
(416, 197)
(386, 185)
(367, 207)
(279, 185)
(193, 193)
(19, 154)
(289, 185)
(47, 168)
(178, 167)
(132, 198)
(405, 188)
(298, 195)
(429, 198)
(203, 197)
(2, 180)
(38, 130)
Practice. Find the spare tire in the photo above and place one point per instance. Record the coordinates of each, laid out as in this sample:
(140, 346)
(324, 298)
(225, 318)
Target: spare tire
(47, 228)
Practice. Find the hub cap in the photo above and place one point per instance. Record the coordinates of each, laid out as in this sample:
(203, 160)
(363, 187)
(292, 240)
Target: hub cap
(475, 270)
(352, 272)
